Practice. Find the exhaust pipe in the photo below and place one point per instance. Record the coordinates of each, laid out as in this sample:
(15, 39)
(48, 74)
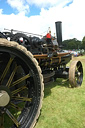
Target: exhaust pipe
(58, 26)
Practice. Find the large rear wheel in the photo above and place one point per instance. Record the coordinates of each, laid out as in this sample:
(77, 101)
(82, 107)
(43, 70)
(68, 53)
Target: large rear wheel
(21, 86)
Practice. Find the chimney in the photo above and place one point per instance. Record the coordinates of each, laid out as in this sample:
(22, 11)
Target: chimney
(59, 32)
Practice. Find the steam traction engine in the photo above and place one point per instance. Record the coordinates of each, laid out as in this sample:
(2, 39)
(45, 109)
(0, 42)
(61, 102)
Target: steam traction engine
(25, 65)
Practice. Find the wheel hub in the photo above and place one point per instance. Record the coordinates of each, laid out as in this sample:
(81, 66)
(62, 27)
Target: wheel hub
(79, 73)
(4, 96)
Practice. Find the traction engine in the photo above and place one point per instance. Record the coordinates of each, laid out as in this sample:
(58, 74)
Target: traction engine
(27, 63)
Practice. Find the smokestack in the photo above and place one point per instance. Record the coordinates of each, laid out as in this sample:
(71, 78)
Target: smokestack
(59, 32)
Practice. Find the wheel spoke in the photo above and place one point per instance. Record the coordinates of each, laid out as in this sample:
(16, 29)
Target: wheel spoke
(21, 98)
(76, 74)
(2, 121)
(6, 70)
(15, 107)
(20, 80)
(18, 90)
(78, 79)
(12, 76)
(12, 118)
(78, 67)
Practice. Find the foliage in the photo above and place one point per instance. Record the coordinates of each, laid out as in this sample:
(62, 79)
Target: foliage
(72, 44)
(83, 42)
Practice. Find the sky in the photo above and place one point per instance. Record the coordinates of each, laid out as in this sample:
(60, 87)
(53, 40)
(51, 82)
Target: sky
(36, 16)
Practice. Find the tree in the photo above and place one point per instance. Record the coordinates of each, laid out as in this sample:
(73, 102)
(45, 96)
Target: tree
(71, 44)
(83, 42)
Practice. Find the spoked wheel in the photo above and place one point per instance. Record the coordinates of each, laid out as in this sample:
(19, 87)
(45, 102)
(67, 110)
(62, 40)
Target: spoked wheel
(75, 73)
(2, 35)
(22, 39)
(21, 86)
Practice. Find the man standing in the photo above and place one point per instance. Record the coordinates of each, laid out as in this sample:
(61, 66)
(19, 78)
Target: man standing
(48, 37)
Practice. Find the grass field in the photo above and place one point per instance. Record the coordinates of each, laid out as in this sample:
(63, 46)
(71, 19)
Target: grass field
(63, 107)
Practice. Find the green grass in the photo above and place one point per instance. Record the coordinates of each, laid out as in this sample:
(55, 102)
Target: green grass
(63, 107)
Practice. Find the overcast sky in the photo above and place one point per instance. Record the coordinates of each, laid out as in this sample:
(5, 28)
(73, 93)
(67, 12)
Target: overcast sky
(35, 16)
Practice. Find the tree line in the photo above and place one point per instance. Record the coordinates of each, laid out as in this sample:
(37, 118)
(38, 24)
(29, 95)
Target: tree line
(74, 44)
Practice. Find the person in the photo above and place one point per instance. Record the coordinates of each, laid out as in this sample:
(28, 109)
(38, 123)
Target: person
(48, 37)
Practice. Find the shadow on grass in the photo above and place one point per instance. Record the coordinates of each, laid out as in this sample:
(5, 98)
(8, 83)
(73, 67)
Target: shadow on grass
(60, 82)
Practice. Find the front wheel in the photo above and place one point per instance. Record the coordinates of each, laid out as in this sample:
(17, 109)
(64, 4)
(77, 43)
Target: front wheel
(75, 73)
(21, 86)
